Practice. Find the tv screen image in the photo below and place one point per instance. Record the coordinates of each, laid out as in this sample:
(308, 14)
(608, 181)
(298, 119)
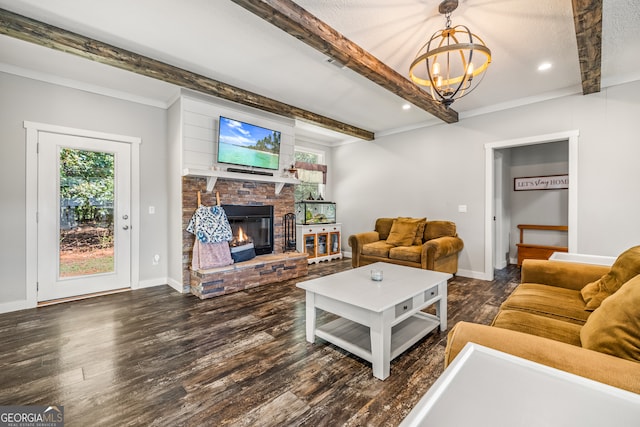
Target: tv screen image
(244, 144)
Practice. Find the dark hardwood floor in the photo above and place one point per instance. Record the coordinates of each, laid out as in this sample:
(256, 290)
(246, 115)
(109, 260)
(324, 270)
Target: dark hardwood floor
(154, 357)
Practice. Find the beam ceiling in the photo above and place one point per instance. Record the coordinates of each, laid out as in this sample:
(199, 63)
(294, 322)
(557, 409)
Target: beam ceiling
(43, 34)
(587, 18)
(299, 23)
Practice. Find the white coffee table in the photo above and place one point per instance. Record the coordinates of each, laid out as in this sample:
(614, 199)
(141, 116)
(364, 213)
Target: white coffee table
(485, 387)
(378, 320)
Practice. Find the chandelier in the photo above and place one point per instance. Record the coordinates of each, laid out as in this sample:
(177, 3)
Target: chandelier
(450, 61)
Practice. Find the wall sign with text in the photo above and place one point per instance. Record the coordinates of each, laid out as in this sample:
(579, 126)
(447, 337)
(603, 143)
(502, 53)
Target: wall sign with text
(552, 182)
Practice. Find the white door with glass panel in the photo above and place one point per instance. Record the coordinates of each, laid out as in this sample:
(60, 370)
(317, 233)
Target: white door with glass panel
(84, 241)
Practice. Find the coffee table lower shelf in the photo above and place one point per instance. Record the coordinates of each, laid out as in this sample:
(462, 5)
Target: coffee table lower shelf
(356, 338)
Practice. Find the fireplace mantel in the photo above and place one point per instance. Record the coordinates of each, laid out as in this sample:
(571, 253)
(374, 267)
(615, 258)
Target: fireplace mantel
(213, 175)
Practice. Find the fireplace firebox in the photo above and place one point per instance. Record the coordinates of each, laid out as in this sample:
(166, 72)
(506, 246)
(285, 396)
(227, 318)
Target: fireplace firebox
(256, 222)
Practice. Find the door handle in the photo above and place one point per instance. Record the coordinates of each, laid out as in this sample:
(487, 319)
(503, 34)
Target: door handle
(126, 227)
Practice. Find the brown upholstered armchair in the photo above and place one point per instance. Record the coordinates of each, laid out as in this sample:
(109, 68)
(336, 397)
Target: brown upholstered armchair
(414, 242)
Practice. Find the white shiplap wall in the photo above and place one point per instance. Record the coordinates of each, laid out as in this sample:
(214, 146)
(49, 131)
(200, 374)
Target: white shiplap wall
(200, 132)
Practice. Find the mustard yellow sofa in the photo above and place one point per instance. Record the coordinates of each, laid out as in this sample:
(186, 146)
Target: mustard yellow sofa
(414, 242)
(580, 318)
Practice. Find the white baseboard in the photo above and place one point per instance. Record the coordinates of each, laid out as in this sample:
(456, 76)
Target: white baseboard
(7, 307)
(151, 283)
(472, 274)
(177, 286)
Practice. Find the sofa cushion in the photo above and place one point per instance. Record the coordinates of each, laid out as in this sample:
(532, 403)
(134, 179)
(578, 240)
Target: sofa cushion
(542, 326)
(406, 253)
(549, 301)
(403, 231)
(626, 266)
(383, 227)
(437, 229)
(379, 249)
(614, 327)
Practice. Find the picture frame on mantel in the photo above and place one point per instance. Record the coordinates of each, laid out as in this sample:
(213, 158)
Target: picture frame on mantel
(547, 182)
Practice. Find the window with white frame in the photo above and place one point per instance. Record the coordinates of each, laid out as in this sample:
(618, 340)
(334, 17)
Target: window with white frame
(312, 172)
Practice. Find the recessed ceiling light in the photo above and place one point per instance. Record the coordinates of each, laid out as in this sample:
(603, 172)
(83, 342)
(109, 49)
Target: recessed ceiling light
(406, 106)
(544, 66)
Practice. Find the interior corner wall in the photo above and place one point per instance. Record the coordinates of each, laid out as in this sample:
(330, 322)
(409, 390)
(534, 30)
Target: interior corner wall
(25, 99)
(174, 190)
(431, 171)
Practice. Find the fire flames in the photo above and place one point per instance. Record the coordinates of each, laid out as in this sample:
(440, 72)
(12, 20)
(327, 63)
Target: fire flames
(241, 238)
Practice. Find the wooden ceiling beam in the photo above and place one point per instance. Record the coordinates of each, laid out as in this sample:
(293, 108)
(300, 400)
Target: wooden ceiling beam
(587, 18)
(296, 21)
(30, 30)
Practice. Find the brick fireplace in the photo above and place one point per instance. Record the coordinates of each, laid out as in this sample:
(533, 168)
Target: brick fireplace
(263, 269)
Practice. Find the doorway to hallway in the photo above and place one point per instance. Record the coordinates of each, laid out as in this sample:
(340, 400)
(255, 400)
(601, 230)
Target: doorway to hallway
(495, 215)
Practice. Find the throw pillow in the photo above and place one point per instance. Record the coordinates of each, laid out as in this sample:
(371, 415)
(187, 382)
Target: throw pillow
(614, 328)
(624, 268)
(420, 231)
(403, 231)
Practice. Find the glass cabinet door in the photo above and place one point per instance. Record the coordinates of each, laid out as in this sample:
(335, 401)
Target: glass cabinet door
(334, 239)
(310, 245)
(322, 248)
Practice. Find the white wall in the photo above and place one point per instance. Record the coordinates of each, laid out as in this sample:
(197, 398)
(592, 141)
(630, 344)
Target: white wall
(430, 171)
(25, 99)
(200, 115)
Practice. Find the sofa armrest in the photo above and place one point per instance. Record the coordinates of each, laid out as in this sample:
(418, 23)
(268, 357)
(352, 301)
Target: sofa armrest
(357, 241)
(580, 361)
(435, 249)
(570, 275)
(443, 246)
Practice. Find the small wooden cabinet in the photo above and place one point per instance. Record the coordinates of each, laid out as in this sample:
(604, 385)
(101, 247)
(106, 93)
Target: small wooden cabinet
(320, 242)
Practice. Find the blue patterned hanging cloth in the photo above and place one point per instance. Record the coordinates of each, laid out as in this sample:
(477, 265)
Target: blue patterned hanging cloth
(210, 225)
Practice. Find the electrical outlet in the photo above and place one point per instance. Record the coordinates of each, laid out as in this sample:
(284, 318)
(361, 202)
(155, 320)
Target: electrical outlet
(156, 259)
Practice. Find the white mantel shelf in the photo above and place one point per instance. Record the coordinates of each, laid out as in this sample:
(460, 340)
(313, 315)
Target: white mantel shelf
(212, 176)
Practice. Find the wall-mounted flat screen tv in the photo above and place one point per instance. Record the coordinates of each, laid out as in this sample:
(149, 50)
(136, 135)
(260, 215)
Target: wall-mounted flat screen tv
(244, 144)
